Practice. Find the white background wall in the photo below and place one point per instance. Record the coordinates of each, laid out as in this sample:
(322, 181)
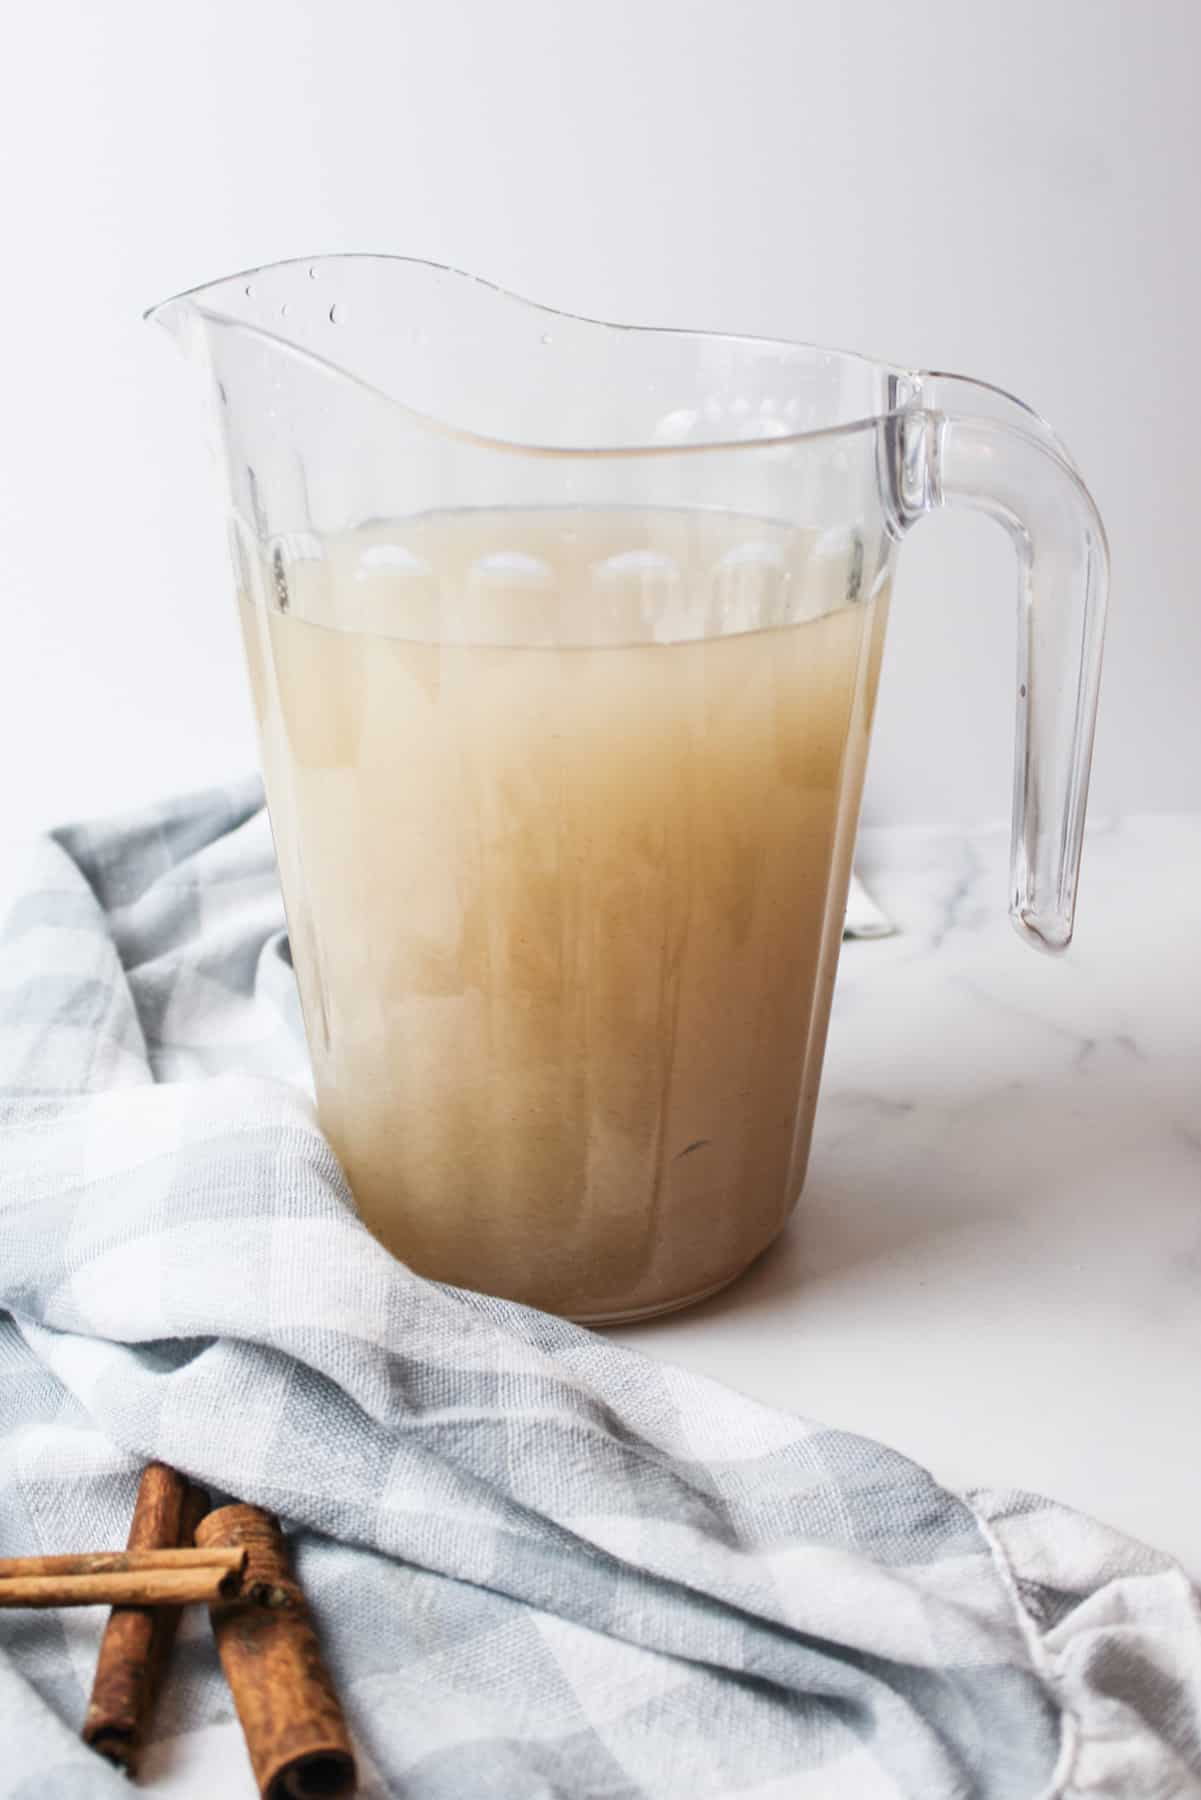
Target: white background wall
(1007, 189)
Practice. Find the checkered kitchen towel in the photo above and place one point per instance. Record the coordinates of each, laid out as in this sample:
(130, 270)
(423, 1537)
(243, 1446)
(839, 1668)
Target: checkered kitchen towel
(543, 1566)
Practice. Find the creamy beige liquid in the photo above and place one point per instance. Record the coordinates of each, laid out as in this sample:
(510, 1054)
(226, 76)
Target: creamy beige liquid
(565, 919)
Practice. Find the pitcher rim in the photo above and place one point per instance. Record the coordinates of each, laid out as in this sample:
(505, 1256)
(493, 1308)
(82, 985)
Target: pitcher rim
(868, 421)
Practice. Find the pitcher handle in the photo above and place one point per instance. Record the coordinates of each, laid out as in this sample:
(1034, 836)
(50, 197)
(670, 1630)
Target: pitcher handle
(966, 444)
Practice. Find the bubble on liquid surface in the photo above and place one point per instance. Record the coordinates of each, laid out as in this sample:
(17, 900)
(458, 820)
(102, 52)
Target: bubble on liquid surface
(641, 594)
(835, 544)
(675, 427)
(638, 565)
(513, 566)
(770, 425)
(753, 554)
(396, 559)
(750, 586)
(509, 595)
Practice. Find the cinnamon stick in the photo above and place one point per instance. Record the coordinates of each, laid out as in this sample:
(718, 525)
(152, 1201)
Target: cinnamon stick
(138, 1639)
(293, 1725)
(147, 1588)
(123, 1562)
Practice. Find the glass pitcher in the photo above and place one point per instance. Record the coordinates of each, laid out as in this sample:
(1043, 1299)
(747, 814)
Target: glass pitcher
(563, 640)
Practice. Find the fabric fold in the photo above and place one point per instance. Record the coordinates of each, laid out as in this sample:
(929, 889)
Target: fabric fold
(542, 1563)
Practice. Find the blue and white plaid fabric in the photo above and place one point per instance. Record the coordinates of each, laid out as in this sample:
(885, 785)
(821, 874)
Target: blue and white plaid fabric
(542, 1565)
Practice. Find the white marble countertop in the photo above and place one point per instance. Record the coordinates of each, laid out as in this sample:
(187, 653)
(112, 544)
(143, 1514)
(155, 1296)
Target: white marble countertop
(996, 1262)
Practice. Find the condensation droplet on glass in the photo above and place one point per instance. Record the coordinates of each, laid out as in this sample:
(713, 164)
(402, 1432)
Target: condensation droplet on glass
(1022, 690)
(283, 310)
(337, 314)
(547, 337)
(250, 290)
(313, 272)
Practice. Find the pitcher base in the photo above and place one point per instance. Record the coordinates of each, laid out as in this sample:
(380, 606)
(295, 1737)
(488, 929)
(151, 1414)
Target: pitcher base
(635, 1314)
